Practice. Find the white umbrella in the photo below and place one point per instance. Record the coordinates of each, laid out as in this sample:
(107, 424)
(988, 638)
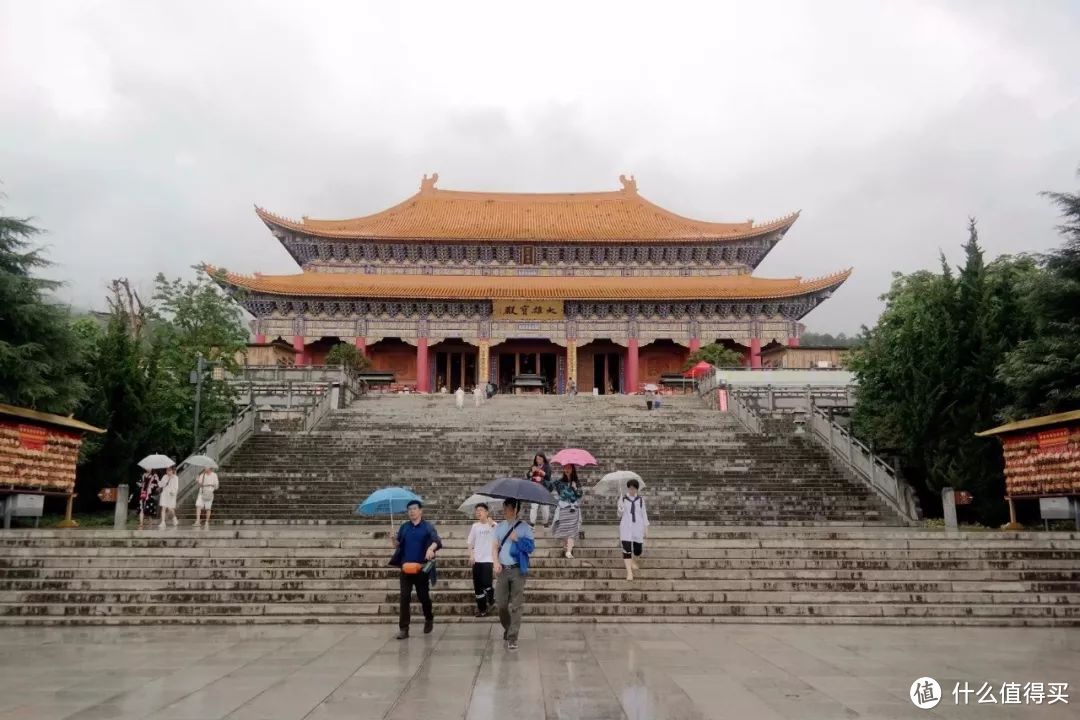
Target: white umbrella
(156, 462)
(469, 506)
(614, 483)
(203, 461)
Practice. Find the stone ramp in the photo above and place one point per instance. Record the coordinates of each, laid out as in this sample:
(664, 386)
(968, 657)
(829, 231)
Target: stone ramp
(700, 466)
(704, 574)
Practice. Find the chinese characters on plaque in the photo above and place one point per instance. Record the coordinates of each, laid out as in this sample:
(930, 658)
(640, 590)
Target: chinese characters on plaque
(527, 310)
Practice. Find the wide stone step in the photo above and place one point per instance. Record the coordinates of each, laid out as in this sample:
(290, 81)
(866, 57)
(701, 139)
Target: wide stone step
(1063, 614)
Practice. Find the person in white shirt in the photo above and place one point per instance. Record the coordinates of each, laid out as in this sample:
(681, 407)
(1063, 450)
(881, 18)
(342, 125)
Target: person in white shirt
(633, 526)
(481, 554)
(170, 490)
(478, 395)
(459, 398)
(208, 484)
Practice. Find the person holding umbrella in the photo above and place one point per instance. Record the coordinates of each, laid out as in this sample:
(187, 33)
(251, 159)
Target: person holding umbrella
(170, 491)
(633, 526)
(567, 523)
(208, 484)
(415, 545)
(512, 544)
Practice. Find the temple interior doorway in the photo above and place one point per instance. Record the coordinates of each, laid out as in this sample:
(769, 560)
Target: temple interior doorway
(456, 365)
(606, 372)
(529, 357)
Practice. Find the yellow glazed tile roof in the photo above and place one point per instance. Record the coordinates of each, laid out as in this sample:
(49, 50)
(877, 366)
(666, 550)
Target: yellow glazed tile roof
(615, 216)
(479, 287)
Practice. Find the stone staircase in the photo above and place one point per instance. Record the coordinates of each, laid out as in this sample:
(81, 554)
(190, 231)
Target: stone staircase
(850, 575)
(746, 529)
(699, 465)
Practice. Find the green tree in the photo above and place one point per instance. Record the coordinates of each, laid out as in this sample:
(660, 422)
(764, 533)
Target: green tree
(349, 356)
(813, 339)
(1043, 372)
(118, 401)
(190, 318)
(715, 354)
(39, 352)
(927, 374)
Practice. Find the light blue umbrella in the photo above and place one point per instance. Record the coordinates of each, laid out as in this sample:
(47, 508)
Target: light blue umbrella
(386, 502)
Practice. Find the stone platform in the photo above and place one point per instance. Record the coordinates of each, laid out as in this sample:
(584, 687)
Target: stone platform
(616, 672)
(718, 574)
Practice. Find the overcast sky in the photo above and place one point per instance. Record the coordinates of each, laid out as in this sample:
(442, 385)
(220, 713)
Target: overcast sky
(140, 134)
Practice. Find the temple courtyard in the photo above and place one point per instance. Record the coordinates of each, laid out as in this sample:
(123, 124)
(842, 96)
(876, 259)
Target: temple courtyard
(636, 671)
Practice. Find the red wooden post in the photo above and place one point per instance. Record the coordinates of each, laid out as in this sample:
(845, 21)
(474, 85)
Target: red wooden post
(298, 350)
(422, 379)
(632, 366)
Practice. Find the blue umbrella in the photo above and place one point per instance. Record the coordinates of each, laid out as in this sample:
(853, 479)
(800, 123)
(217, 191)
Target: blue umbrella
(519, 490)
(386, 502)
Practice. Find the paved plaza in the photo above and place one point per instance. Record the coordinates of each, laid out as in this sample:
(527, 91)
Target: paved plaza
(634, 671)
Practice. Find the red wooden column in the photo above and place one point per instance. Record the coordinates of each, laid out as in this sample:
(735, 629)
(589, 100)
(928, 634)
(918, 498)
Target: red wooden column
(422, 379)
(260, 339)
(695, 345)
(632, 366)
(298, 349)
(361, 345)
(793, 341)
(755, 352)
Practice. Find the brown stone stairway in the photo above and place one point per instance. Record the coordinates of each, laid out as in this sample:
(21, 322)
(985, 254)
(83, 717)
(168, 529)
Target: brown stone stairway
(700, 466)
(852, 575)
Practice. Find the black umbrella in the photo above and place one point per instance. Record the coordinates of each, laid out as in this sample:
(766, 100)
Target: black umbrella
(518, 489)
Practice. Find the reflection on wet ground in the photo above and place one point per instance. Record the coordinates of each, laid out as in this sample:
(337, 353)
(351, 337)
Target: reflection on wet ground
(635, 671)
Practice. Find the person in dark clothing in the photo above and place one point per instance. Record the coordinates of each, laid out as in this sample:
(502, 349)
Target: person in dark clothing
(416, 544)
(540, 473)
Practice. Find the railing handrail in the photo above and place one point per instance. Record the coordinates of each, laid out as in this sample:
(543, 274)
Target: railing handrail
(318, 410)
(845, 448)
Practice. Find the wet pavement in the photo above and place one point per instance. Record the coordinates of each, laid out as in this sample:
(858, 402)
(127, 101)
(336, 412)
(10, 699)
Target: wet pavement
(635, 671)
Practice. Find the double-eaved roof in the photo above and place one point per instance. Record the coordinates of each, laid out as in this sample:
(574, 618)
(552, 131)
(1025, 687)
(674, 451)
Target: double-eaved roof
(621, 216)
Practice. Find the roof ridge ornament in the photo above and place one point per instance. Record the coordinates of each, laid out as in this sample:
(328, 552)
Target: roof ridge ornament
(427, 184)
(629, 184)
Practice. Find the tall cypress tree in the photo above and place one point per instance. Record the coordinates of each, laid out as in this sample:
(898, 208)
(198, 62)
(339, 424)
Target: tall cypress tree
(39, 352)
(1043, 372)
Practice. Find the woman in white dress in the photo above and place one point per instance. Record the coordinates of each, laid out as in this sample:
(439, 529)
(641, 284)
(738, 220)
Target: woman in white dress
(170, 490)
(208, 484)
(633, 526)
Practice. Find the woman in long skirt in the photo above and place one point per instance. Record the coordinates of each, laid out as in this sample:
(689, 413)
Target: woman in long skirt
(568, 517)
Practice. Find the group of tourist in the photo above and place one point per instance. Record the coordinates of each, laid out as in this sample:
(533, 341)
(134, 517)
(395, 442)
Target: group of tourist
(160, 493)
(499, 551)
(566, 491)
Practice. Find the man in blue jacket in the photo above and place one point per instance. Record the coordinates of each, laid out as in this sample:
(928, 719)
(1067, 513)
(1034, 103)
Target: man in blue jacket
(416, 543)
(513, 542)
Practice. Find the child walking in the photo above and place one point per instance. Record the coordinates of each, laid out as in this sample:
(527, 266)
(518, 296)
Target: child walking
(633, 526)
(481, 554)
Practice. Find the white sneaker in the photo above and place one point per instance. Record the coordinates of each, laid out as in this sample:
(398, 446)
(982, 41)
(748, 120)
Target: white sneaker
(569, 555)
(162, 526)
(629, 576)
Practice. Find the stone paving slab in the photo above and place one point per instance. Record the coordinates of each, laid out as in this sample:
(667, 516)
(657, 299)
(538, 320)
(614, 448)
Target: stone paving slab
(630, 672)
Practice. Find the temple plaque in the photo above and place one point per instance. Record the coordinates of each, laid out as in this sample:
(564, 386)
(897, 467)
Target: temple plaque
(528, 310)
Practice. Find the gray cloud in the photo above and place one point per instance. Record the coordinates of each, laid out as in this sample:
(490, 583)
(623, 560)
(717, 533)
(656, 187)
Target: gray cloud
(140, 134)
